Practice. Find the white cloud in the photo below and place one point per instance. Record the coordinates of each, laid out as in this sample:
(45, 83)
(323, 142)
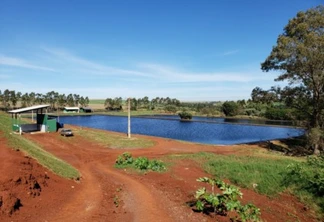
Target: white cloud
(149, 71)
(90, 66)
(232, 52)
(11, 61)
(170, 74)
(76, 74)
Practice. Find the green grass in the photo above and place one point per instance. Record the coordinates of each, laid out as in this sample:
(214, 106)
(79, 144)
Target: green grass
(113, 140)
(245, 171)
(46, 159)
(268, 172)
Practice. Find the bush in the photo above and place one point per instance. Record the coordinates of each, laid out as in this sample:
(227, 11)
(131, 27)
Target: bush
(252, 112)
(185, 115)
(141, 163)
(308, 177)
(124, 159)
(171, 108)
(225, 202)
(230, 108)
(278, 114)
(209, 111)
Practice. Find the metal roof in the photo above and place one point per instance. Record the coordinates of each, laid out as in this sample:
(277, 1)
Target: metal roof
(22, 110)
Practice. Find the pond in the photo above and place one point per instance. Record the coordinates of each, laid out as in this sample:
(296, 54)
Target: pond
(192, 131)
(228, 120)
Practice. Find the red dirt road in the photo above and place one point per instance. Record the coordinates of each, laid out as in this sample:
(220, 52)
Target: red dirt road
(108, 194)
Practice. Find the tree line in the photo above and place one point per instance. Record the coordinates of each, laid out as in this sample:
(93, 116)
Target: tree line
(141, 103)
(9, 99)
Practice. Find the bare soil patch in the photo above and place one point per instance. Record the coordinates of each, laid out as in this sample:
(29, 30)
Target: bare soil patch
(108, 194)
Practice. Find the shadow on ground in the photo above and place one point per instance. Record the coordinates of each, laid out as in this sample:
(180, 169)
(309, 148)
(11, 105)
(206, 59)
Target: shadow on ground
(290, 147)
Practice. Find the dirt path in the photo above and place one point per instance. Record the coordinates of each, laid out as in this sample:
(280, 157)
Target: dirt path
(98, 176)
(108, 194)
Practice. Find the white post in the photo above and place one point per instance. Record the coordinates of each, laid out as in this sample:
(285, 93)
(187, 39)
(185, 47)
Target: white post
(129, 122)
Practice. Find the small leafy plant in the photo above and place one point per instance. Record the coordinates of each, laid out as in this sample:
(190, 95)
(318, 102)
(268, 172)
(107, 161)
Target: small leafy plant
(226, 202)
(125, 159)
(141, 163)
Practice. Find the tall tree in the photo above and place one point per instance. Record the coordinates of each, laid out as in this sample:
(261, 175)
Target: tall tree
(86, 101)
(6, 99)
(70, 100)
(14, 97)
(32, 97)
(299, 54)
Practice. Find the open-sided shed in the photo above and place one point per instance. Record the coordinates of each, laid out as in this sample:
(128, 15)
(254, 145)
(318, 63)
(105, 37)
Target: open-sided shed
(44, 122)
(71, 109)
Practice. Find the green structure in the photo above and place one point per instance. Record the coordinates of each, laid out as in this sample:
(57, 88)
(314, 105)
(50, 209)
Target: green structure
(44, 122)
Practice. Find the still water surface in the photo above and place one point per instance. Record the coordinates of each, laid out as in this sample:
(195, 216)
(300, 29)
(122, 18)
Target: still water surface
(192, 131)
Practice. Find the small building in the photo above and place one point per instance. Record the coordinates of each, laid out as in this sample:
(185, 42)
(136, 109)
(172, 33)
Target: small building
(44, 122)
(85, 110)
(71, 110)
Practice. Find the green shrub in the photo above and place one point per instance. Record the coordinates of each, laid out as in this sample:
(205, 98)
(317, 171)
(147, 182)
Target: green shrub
(185, 115)
(171, 108)
(308, 178)
(125, 159)
(141, 163)
(225, 202)
(157, 165)
(230, 108)
(278, 114)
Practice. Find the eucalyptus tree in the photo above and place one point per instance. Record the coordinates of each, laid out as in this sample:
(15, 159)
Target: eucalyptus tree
(76, 98)
(14, 97)
(32, 98)
(299, 55)
(146, 102)
(6, 99)
(61, 101)
(70, 100)
(86, 101)
(25, 100)
(82, 101)
(133, 104)
(109, 103)
(51, 98)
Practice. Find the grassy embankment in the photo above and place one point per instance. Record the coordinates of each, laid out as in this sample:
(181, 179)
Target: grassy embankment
(265, 172)
(33, 150)
(112, 139)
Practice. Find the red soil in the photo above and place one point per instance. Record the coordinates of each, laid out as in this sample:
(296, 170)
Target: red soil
(29, 192)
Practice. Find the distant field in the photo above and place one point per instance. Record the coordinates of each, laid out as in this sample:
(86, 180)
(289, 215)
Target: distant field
(97, 103)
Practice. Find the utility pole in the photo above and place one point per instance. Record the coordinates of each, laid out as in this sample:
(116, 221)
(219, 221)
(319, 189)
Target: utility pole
(129, 122)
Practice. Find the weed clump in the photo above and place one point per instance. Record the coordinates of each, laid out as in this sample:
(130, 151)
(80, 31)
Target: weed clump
(140, 163)
(225, 202)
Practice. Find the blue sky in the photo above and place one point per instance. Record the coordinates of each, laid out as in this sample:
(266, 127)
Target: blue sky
(190, 50)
